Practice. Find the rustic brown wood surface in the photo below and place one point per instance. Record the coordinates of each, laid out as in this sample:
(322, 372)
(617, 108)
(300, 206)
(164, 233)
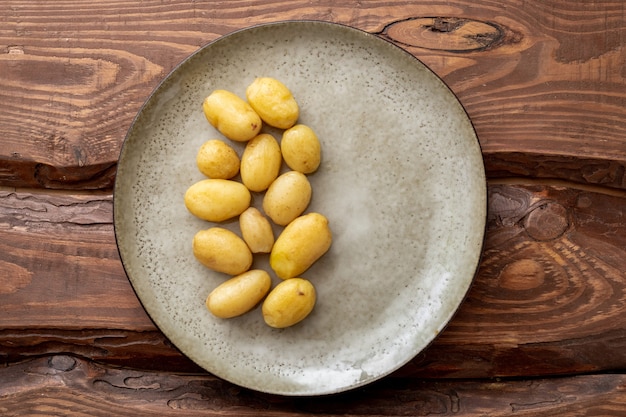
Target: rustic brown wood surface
(543, 329)
(64, 385)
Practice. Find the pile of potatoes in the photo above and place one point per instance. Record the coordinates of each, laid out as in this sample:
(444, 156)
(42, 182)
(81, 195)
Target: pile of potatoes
(304, 237)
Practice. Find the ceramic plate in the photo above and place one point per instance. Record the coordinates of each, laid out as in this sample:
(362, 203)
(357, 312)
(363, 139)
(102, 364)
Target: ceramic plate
(401, 181)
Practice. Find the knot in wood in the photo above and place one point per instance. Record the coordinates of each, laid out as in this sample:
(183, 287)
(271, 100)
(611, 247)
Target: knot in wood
(62, 363)
(446, 33)
(547, 221)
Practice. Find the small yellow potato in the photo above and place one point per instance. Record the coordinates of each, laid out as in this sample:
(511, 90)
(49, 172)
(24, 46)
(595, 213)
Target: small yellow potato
(300, 244)
(239, 294)
(256, 231)
(217, 159)
(231, 115)
(216, 200)
(221, 250)
(287, 197)
(301, 149)
(273, 101)
(289, 303)
(260, 162)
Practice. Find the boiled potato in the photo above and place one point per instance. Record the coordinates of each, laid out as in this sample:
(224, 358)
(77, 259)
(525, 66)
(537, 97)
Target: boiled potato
(273, 101)
(301, 149)
(221, 250)
(287, 197)
(239, 294)
(217, 159)
(289, 303)
(256, 231)
(260, 162)
(216, 200)
(300, 244)
(231, 116)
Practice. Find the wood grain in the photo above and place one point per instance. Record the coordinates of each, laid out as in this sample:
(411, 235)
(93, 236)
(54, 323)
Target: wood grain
(542, 81)
(63, 385)
(60, 264)
(542, 330)
(550, 292)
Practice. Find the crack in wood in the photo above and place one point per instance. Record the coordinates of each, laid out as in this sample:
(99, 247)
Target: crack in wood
(446, 24)
(22, 209)
(519, 407)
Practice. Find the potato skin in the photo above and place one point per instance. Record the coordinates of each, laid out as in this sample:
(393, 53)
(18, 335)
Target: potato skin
(239, 294)
(301, 149)
(216, 200)
(231, 115)
(217, 159)
(300, 244)
(273, 101)
(289, 303)
(221, 250)
(260, 162)
(256, 231)
(287, 197)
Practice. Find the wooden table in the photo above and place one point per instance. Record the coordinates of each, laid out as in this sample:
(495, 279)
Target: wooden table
(543, 330)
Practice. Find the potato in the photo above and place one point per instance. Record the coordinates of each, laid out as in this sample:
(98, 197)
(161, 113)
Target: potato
(256, 231)
(289, 303)
(231, 116)
(260, 162)
(239, 294)
(217, 159)
(300, 244)
(221, 250)
(217, 200)
(273, 101)
(287, 197)
(301, 149)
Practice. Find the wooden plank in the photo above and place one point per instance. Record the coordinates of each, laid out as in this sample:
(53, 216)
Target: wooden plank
(60, 267)
(550, 292)
(63, 385)
(542, 81)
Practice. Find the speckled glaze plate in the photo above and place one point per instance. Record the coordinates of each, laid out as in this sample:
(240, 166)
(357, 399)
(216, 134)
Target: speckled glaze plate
(402, 183)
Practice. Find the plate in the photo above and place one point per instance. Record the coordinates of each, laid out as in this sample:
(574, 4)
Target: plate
(401, 181)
